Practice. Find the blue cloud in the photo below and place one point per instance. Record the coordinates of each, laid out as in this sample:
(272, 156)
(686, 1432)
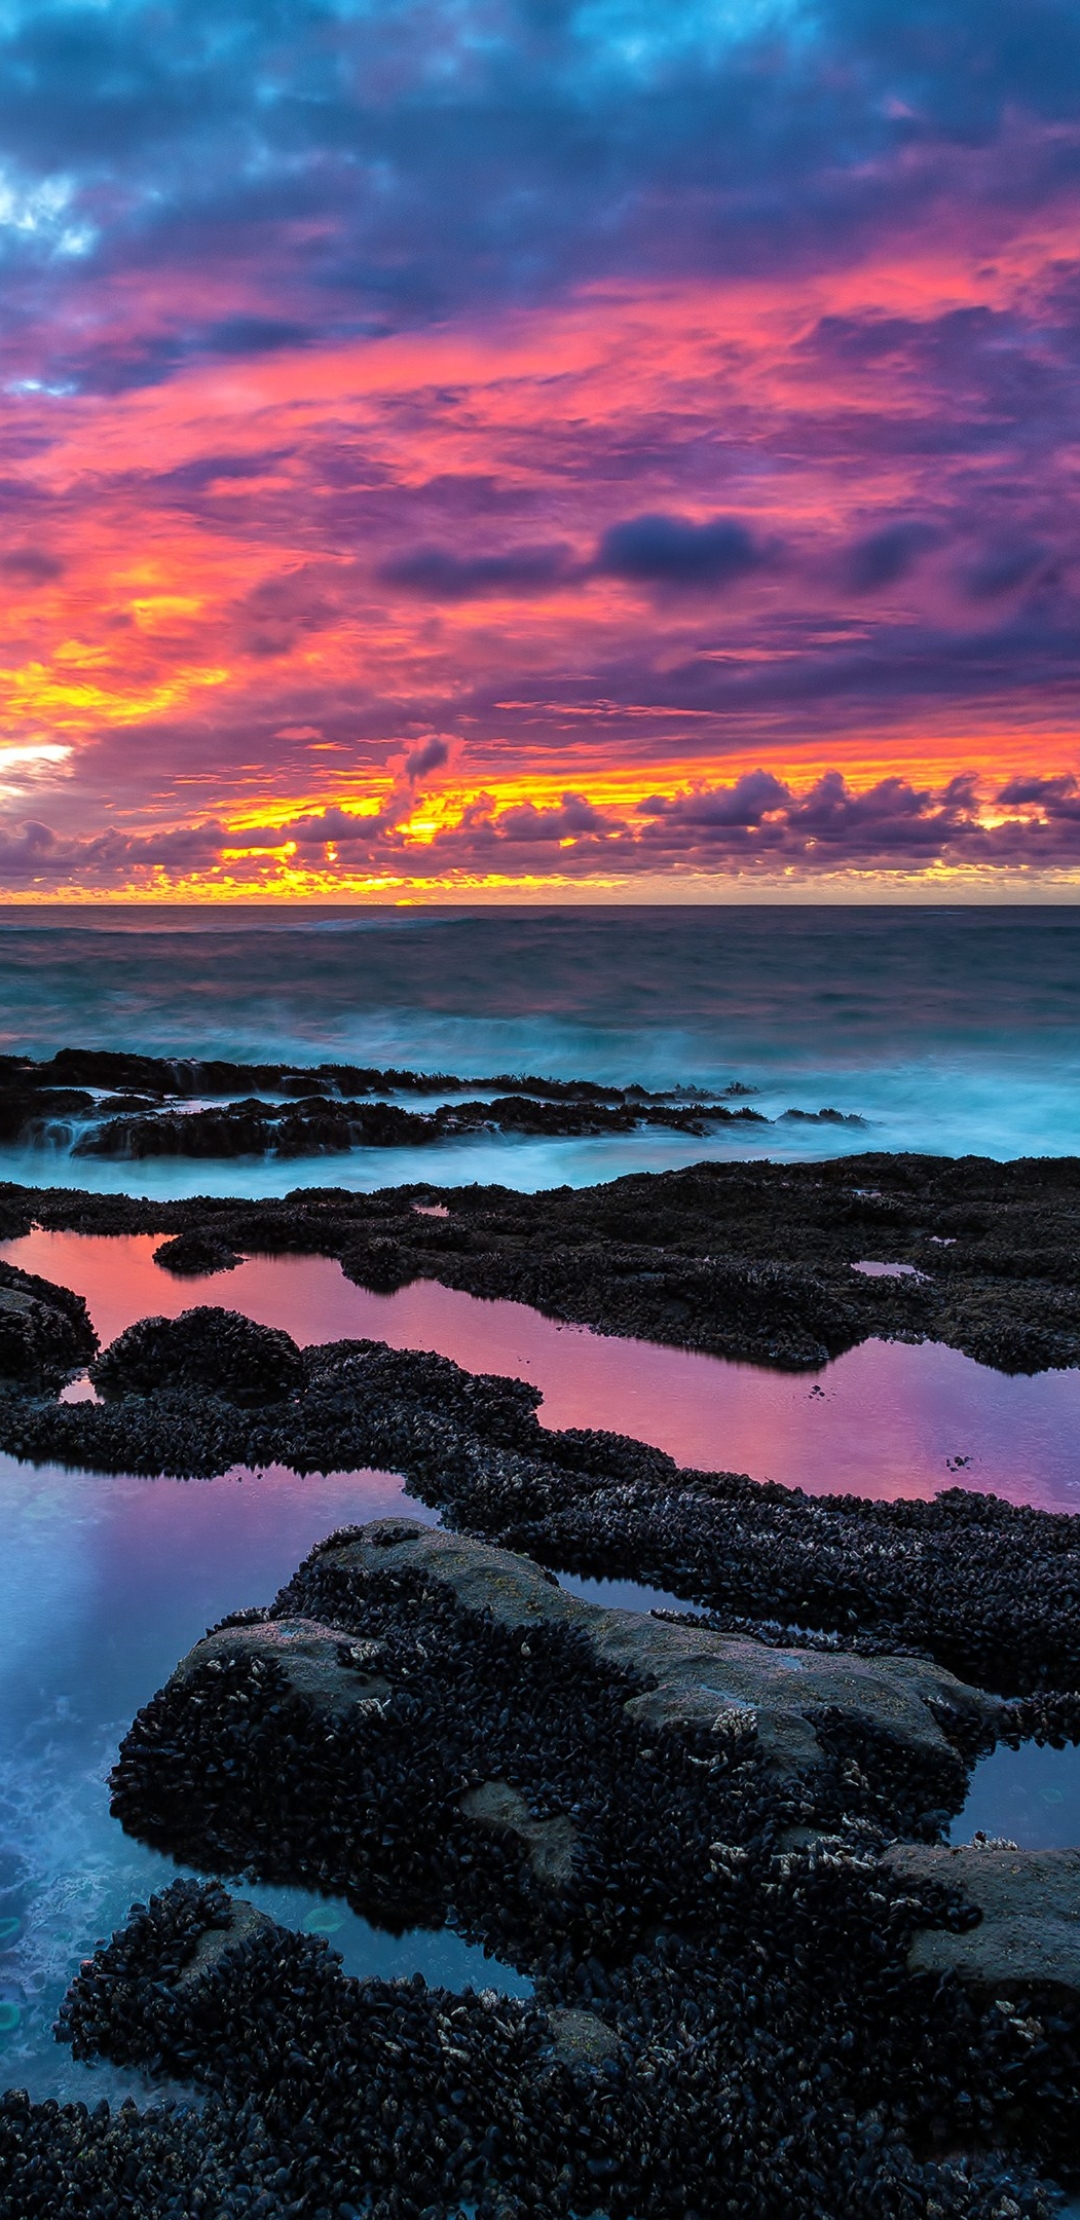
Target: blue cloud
(670, 551)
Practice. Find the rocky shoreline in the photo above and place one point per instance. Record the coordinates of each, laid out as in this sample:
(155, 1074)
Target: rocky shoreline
(132, 1108)
(748, 1996)
(985, 1587)
(763, 1986)
(753, 1261)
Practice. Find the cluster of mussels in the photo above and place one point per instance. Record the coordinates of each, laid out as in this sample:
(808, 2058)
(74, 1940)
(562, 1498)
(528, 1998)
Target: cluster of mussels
(44, 1330)
(727, 2017)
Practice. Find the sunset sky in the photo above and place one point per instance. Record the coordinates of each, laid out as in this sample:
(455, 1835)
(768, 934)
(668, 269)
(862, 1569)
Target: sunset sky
(455, 448)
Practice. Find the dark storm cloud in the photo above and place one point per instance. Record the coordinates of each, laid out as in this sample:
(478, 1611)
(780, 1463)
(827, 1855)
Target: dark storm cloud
(30, 566)
(312, 142)
(255, 335)
(745, 803)
(795, 684)
(832, 472)
(574, 818)
(756, 825)
(668, 553)
(1001, 569)
(429, 756)
(1057, 798)
(673, 552)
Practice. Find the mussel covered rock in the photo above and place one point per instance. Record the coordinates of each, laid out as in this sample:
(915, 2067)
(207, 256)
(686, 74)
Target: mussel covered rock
(206, 1347)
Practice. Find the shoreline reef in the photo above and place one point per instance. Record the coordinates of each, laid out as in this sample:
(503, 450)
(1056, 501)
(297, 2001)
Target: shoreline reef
(764, 1985)
(100, 1103)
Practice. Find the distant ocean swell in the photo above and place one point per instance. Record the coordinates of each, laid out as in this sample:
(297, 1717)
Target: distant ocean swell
(950, 1030)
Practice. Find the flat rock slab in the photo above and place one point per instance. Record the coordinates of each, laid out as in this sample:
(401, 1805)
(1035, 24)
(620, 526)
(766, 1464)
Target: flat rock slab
(1029, 1934)
(581, 2039)
(310, 1656)
(725, 1683)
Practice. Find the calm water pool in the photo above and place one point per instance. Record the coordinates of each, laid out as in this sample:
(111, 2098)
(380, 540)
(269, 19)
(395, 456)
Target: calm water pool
(887, 1419)
(1031, 1796)
(106, 1581)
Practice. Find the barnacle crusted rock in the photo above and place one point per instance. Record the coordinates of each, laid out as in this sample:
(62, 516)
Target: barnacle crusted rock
(729, 2014)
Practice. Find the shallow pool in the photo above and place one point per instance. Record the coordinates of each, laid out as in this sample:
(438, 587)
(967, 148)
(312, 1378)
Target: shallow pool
(621, 1595)
(1031, 1796)
(887, 1419)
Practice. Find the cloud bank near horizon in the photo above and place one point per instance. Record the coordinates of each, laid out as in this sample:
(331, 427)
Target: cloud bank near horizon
(492, 443)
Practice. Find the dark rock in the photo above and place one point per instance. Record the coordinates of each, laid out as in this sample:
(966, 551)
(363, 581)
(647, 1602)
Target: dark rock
(751, 1261)
(207, 1347)
(44, 1330)
(986, 1588)
(195, 1255)
(1027, 1939)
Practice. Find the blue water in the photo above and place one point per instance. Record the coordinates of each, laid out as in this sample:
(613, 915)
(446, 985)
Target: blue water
(953, 1030)
(1030, 1796)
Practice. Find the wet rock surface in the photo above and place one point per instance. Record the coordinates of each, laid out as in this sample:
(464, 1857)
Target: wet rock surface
(205, 1347)
(763, 1988)
(45, 1331)
(324, 1110)
(432, 1657)
(195, 1255)
(1027, 1939)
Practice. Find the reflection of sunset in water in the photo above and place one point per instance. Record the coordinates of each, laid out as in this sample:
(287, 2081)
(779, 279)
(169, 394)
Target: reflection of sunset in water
(887, 1419)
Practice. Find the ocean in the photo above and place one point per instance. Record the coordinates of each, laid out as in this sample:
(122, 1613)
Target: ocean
(953, 1030)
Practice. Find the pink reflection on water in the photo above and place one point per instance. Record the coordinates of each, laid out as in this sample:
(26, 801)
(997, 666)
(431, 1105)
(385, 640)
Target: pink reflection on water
(888, 1419)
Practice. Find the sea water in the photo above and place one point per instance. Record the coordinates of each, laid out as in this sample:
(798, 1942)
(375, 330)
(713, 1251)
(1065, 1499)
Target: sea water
(952, 1030)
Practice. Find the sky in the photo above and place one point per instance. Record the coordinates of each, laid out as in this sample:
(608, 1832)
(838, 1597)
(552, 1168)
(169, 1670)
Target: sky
(539, 449)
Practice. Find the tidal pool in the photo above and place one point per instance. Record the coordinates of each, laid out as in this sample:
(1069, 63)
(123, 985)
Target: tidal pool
(621, 1595)
(1030, 1796)
(888, 1419)
(105, 1582)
